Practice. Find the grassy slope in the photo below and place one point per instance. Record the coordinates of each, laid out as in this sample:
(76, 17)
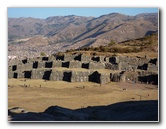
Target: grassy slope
(139, 47)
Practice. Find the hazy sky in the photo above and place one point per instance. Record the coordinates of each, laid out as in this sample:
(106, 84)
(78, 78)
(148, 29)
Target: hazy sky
(95, 12)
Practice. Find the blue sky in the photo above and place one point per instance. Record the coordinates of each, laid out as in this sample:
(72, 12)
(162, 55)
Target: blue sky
(95, 12)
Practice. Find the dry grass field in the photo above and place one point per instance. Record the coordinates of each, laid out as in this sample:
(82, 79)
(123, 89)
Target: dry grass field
(38, 95)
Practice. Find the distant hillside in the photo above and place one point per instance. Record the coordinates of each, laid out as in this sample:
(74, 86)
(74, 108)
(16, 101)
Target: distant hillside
(61, 33)
(73, 28)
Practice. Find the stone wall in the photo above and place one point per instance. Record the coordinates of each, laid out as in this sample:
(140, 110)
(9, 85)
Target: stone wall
(75, 64)
(113, 66)
(104, 78)
(96, 65)
(45, 68)
(83, 61)
(56, 75)
(79, 76)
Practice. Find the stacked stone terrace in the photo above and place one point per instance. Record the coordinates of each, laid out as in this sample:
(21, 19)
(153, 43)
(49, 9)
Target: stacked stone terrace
(83, 68)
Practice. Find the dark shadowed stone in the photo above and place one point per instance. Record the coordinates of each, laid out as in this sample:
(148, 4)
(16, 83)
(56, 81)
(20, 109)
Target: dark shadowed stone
(122, 111)
(68, 114)
(25, 61)
(153, 79)
(65, 64)
(49, 64)
(116, 77)
(30, 116)
(67, 76)
(35, 65)
(143, 67)
(14, 67)
(95, 77)
(27, 74)
(85, 65)
(45, 58)
(69, 57)
(47, 74)
(15, 75)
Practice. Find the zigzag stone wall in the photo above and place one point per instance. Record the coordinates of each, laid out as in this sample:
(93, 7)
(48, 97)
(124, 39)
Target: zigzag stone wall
(47, 68)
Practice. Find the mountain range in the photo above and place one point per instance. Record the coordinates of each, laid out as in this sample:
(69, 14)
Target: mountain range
(78, 31)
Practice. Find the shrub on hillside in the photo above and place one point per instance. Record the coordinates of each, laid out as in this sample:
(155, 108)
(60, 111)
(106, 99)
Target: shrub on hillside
(42, 54)
(112, 43)
(60, 54)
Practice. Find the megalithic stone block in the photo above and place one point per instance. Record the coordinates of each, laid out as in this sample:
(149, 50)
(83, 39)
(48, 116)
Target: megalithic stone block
(85, 58)
(33, 76)
(75, 64)
(57, 64)
(80, 76)
(27, 66)
(10, 74)
(21, 74)
(20, 67)
(96, 65)
(106, 59)
(41, 64)
(152, 67)
(123, 78)
(56, 75)
(10, 68)
(82, 57)
(104, 78)
(112, 66)
(69, 57)
(37, 73)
